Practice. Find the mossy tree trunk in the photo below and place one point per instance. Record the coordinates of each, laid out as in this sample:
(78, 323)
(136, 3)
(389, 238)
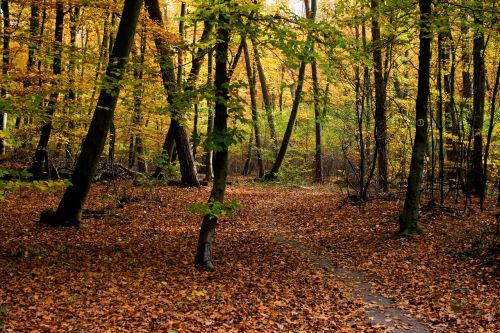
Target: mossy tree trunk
(221, 84)
(70, 208)
(408, 220)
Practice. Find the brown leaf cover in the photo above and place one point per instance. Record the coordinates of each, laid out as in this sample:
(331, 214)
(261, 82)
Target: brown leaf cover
(132, 269)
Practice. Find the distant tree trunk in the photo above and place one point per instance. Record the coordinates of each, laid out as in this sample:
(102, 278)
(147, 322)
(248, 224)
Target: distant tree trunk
(70, 208)
(167, 149)
(5, 66)
(488, 139)
(476, 170)
(138, 116)
(273, 173)
(204, 249)
(41, 155)
(112, 130)
(188, 169)
(440, 120)
(408, 220)
(265, 95)
(209, 171)
(253, 105)
(380, 96)
(248, 160)
(180, 53)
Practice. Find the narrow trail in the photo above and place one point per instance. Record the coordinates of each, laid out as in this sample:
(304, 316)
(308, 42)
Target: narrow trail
(379, 311)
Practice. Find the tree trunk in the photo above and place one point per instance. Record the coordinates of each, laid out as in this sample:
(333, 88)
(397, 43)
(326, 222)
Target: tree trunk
(253, 105)
(380, 96)
(5, 66)
(70, 208)
(189, 175)
(408, 220)
(476, 170)
(273, 173)
(488, 139)
(209, 171)
(318, 169)
(204, 249)
(265, 95)
(138, 116)
(41, 155)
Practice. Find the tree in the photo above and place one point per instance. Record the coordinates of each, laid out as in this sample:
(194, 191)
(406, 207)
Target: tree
(380, 97)
(41, 155)
(273, 173)
(186, 160)
(408, 220)
(221, 84)
(5, 66)
(69, 212)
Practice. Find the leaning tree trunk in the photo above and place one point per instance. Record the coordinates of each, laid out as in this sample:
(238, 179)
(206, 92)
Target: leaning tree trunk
(221, 84)
(189, 174)
(253, 105)
(380, 96)
(41, 155)
(408, 220)
(265, 95)
(70, 208)
(273, 173)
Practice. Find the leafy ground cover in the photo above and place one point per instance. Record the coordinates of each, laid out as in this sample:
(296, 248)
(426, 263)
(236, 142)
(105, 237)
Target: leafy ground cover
(130, 267)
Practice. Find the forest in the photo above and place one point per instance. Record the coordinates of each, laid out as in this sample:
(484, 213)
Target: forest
(249, 166)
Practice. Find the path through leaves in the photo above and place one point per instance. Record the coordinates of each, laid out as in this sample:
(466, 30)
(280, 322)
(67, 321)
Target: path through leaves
(132, 269)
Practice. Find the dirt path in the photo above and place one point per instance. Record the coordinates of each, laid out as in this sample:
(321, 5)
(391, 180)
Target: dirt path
(380, 311)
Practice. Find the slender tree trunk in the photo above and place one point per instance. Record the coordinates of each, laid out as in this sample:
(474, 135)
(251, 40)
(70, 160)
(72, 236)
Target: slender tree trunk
(41, 155)
(476, 170)
(204, 249)
(318, 163)
(70, 208)
(488, 140)
(209, 171)
(186, 160)
(380, 96)
(253, 102)
(265, 95)
(408, 220)
(248, 161)
(440, 120)
(273, 173)
(112, 130)
(5, 66)
(138, 116)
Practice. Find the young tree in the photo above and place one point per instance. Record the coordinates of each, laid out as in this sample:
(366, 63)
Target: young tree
(69, 211)
(221, 84)
(408, 220)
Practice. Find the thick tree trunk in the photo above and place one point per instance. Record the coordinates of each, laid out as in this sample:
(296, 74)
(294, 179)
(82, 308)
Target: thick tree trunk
(476, 170)
(380, 96)
(204, 249)
(408, 220)
(253, 105)
(5, 66)
(70, 208)
(189, 175)
(265, 95)
(167, 149)
(41, 155)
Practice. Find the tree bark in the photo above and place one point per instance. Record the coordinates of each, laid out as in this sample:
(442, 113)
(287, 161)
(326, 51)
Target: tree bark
(5, 66)
(204, 249)
(408, 220)
(253, 106)
(189, 175)
(209, 171)
(380, 97)
(265, 95)
(70, 208)
(476, 170)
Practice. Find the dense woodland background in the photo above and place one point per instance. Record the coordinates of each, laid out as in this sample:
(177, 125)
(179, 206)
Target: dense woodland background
(335, 121)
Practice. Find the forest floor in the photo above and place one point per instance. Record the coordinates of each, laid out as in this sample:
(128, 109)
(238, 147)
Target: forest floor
(289, 260)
